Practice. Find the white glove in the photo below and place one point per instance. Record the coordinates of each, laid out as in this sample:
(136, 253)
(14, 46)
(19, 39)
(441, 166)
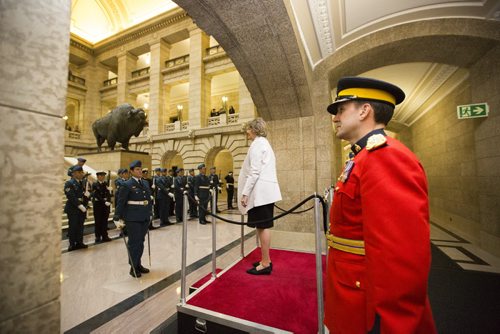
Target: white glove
(171, 195)
(152, 198)
(187, 185)
(153, 186)
(120, 224)
(107, 203)
(87, 194)
(110, 188)
(172, 186)
(219, 188)
(196, 198)
(82, 208)
(227, 186)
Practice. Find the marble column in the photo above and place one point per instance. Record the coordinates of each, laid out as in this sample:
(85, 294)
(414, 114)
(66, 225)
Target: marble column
(199, 84)
(247, 108)
(160, 51)
(126, 64)
(34, 72)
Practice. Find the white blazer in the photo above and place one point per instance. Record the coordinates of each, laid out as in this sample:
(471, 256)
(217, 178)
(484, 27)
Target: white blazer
(257, 177)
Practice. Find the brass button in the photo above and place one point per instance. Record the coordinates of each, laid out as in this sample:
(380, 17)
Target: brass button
(358, 284)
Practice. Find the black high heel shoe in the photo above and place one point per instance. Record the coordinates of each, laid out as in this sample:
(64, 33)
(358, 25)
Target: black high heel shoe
(263, 271)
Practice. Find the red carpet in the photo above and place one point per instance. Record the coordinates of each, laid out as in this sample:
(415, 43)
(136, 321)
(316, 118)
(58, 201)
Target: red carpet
(286, 299)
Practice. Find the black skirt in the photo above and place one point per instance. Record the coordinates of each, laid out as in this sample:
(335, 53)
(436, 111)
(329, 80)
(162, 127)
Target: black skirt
(259, 213)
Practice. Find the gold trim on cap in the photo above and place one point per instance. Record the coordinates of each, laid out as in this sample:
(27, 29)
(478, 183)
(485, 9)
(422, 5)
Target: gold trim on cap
(368, 93)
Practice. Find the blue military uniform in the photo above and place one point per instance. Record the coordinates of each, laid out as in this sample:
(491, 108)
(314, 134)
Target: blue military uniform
(180, 183)
(100, 196)
(230, 189)
(193, 206)
(76, 217)
(156, 178)
(134, 207)
(215, 183)
(202, 190)
(164, 200)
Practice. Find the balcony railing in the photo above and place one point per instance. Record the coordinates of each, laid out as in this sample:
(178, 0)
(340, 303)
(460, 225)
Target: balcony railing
(214, 50)
(140, 72)
(75, 79)
(73, 135)
(177, 61)
(233, 118)
(214, 121)
(176, 126)
(110, 82)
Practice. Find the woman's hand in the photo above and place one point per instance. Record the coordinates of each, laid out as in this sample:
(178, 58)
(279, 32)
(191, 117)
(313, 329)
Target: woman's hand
(244, 201)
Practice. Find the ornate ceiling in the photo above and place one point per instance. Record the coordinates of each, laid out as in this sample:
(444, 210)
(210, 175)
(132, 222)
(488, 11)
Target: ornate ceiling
(322, 27)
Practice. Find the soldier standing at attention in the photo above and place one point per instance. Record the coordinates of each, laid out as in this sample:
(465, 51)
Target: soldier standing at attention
(230, 189)
(202, 192)
(75, 208)
(379, 244)
(101, 203)
(156, 178)
(164, 197)
(180, 183)
(145, 177)
(133, 210)
(170, 184)
(193, 206)
(215, 183)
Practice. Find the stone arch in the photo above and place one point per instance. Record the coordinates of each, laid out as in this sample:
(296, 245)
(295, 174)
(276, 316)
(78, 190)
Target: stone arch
(172, 159)
(456, 41)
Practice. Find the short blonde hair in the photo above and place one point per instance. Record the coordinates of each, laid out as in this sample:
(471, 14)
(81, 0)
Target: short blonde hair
(258, 126)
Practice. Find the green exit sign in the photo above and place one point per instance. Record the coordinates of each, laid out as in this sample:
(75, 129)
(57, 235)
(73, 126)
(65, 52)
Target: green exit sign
(472, 110)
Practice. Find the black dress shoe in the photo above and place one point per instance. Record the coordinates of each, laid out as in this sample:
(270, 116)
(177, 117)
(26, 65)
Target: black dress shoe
(81, 246)
(151, 227)
(203, 223)
(98, 241)
(106, 239)
(137, 273)
(71, 248)
(256, 264)
(142, 270)
(263, 271)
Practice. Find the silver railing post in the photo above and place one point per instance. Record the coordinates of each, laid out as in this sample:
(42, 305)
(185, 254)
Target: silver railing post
(329, 203)
(319, 264)
(214, 245)
(184, 248)
(242, 236)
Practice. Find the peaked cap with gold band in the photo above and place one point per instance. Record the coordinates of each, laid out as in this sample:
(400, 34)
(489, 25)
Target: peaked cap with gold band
(359, 88)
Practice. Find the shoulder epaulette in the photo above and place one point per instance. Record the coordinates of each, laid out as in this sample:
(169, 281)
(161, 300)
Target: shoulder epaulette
(375, 142)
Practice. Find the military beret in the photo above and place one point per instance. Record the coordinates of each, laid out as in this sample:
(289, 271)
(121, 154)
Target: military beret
(191, 169)
(212, 168)
(70, 171)
(101, 172)
(163, 170)
(76, 168)
(200, 166)
(179, 170)
(359, 88)
(81, 159)
(135, 163)
(157, 169)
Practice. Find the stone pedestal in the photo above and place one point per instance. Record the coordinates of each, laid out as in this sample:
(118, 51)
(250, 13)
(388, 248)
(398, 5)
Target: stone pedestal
(112, 160)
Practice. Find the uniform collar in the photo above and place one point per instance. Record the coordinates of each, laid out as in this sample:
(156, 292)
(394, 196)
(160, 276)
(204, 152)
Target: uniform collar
(360, 144)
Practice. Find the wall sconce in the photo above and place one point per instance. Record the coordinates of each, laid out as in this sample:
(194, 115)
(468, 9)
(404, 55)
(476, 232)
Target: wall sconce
(65, 117)
(180, 107)
(179, 112)
(146, 105)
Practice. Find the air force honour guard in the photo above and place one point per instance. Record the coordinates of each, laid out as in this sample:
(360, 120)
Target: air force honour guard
(164, 197)
(101, 203)
(180, 183)
(75, 208)
(202, 192)
(133, 210)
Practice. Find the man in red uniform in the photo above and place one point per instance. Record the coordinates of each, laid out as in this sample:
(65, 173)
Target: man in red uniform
(379, 244)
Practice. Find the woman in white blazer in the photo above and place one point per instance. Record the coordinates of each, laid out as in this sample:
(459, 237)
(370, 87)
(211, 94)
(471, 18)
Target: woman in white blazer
(258, 190)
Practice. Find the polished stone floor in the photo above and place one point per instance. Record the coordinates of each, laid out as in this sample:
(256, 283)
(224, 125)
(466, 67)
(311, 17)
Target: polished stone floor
(99, 296)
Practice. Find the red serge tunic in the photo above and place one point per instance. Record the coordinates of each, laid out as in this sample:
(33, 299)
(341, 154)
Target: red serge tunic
(384, 203)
